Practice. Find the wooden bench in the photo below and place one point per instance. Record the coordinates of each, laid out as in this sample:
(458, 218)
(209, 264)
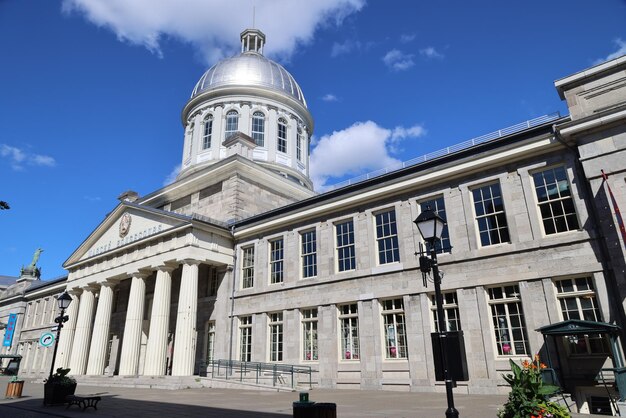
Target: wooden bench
(83, 402)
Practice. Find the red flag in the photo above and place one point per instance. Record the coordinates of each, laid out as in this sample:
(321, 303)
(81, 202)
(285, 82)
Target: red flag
(618, 214)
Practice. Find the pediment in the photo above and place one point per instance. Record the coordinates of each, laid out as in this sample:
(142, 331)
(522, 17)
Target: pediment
(126, 225)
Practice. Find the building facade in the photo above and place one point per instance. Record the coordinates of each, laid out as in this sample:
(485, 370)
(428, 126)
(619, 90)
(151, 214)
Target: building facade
(28, 308)
(239, 259)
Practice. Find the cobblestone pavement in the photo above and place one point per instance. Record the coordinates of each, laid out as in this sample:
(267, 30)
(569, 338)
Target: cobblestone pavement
(227, 403)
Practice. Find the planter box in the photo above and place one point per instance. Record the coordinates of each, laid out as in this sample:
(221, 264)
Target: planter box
(55, 394)
(14, 389)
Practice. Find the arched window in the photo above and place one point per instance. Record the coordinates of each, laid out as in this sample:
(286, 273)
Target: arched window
(258, 128)
(232, 119)
(281, 145)
(208, 132)
(299, 144)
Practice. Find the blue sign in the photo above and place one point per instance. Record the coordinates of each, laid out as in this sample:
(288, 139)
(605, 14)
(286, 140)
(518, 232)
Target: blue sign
(9, 330)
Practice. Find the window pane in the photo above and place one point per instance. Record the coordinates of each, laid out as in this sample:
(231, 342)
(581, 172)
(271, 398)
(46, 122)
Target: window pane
(554, 200)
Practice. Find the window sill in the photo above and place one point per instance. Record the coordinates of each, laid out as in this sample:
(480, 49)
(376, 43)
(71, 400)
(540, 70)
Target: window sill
(387, 268)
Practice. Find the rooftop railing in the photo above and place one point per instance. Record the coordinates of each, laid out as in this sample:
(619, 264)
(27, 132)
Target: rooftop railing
(450, 150)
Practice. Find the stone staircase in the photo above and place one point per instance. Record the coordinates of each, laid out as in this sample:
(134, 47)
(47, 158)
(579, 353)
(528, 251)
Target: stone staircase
(171, 383)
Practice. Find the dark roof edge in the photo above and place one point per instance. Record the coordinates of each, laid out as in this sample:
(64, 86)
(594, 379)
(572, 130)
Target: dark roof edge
(45, 283)
(496, 143)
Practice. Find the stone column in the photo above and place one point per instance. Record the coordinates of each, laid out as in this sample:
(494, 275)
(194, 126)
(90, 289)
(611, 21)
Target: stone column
(185, 337)
(80, 348)
(66, 338)
(156, 351)
(100, 337)
(131, 341)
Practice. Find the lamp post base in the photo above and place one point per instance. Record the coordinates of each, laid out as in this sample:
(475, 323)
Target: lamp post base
(452, 413)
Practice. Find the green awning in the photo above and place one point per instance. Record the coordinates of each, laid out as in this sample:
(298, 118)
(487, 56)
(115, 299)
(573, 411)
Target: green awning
(577, 327)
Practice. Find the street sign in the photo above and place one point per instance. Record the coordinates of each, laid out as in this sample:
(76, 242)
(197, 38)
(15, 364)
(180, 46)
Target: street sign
(47, 339)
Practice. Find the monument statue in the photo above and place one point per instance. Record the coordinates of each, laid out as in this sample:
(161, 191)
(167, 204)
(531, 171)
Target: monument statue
(32, 271)
(33, 263)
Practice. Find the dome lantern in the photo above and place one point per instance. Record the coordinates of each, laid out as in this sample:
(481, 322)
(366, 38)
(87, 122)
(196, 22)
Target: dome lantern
(252, 40)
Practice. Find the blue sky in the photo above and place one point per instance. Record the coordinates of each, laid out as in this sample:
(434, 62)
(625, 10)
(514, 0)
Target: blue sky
(91, 90)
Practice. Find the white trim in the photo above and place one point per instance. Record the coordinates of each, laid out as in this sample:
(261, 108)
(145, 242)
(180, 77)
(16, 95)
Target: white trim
(604, 120)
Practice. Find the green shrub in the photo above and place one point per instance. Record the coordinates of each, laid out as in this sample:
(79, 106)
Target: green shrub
(529, 395)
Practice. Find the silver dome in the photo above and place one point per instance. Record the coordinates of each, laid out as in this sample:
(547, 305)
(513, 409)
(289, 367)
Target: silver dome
(249, 69)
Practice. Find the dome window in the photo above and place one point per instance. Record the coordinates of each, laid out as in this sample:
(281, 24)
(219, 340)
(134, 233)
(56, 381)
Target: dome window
(281, 144)
(258, 128)
(299, 144)
(232, 120)
(208, 132)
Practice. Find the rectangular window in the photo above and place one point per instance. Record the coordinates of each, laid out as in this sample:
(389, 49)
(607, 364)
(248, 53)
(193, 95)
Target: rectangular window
(349, 329)
(212, 281)
(309, 253)
(450, 312)
(299, 145)
(247, 267)
(555, 201)
(508, 321)
(210, 341)
(387, 237)
(231, 125)
(395, 330)
(208, 132)
(245, 338)
(276, 261)
(346, 259)
(490, 216)
(281, 145)
(437, 205)
(258, 128)
(309, 334)
(577, 298)
(276, 336)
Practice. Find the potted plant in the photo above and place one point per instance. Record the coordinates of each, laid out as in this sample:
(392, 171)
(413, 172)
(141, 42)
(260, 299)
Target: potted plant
(14, 388)
(58, 387)
(529, 396)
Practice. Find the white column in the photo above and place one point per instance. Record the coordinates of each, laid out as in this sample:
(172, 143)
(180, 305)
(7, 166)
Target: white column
(185, 337)
(131, 341)
(66, 337)
(156, 351)
(80, 348)
(100, 337)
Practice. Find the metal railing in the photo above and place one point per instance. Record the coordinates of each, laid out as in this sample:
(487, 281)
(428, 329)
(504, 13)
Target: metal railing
(259, 372)
(449, 150)
(614, 377)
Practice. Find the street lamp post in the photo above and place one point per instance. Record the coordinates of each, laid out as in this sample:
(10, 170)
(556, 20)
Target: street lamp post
(430, 226)
(64, 301)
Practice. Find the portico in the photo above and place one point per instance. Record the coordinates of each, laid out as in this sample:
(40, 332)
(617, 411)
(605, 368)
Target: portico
(135, 305)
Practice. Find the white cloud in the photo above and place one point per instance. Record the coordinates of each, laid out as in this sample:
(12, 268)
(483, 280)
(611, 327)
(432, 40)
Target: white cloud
(17, 158)
(368, 145)
(213, 26)
(407, 37)
(43, 160)
(398, 60)
(171, 177)
(344, 48)
(330, 98)
(430, 52)
(621, 50)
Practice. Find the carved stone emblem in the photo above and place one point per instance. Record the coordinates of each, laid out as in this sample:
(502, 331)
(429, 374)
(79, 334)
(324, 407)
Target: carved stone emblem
(125, 225)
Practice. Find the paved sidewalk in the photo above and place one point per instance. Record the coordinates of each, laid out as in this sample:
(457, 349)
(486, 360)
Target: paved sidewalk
(230, 403)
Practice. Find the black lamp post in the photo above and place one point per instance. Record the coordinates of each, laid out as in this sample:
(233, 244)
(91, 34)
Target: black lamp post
(64, 301)
(431, 227)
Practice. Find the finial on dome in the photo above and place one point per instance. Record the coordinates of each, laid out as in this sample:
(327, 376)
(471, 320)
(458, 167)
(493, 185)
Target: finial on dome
(252, 40)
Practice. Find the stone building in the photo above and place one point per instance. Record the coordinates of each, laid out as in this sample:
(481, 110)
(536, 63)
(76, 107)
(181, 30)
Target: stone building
(33, 304)
(239, 259)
